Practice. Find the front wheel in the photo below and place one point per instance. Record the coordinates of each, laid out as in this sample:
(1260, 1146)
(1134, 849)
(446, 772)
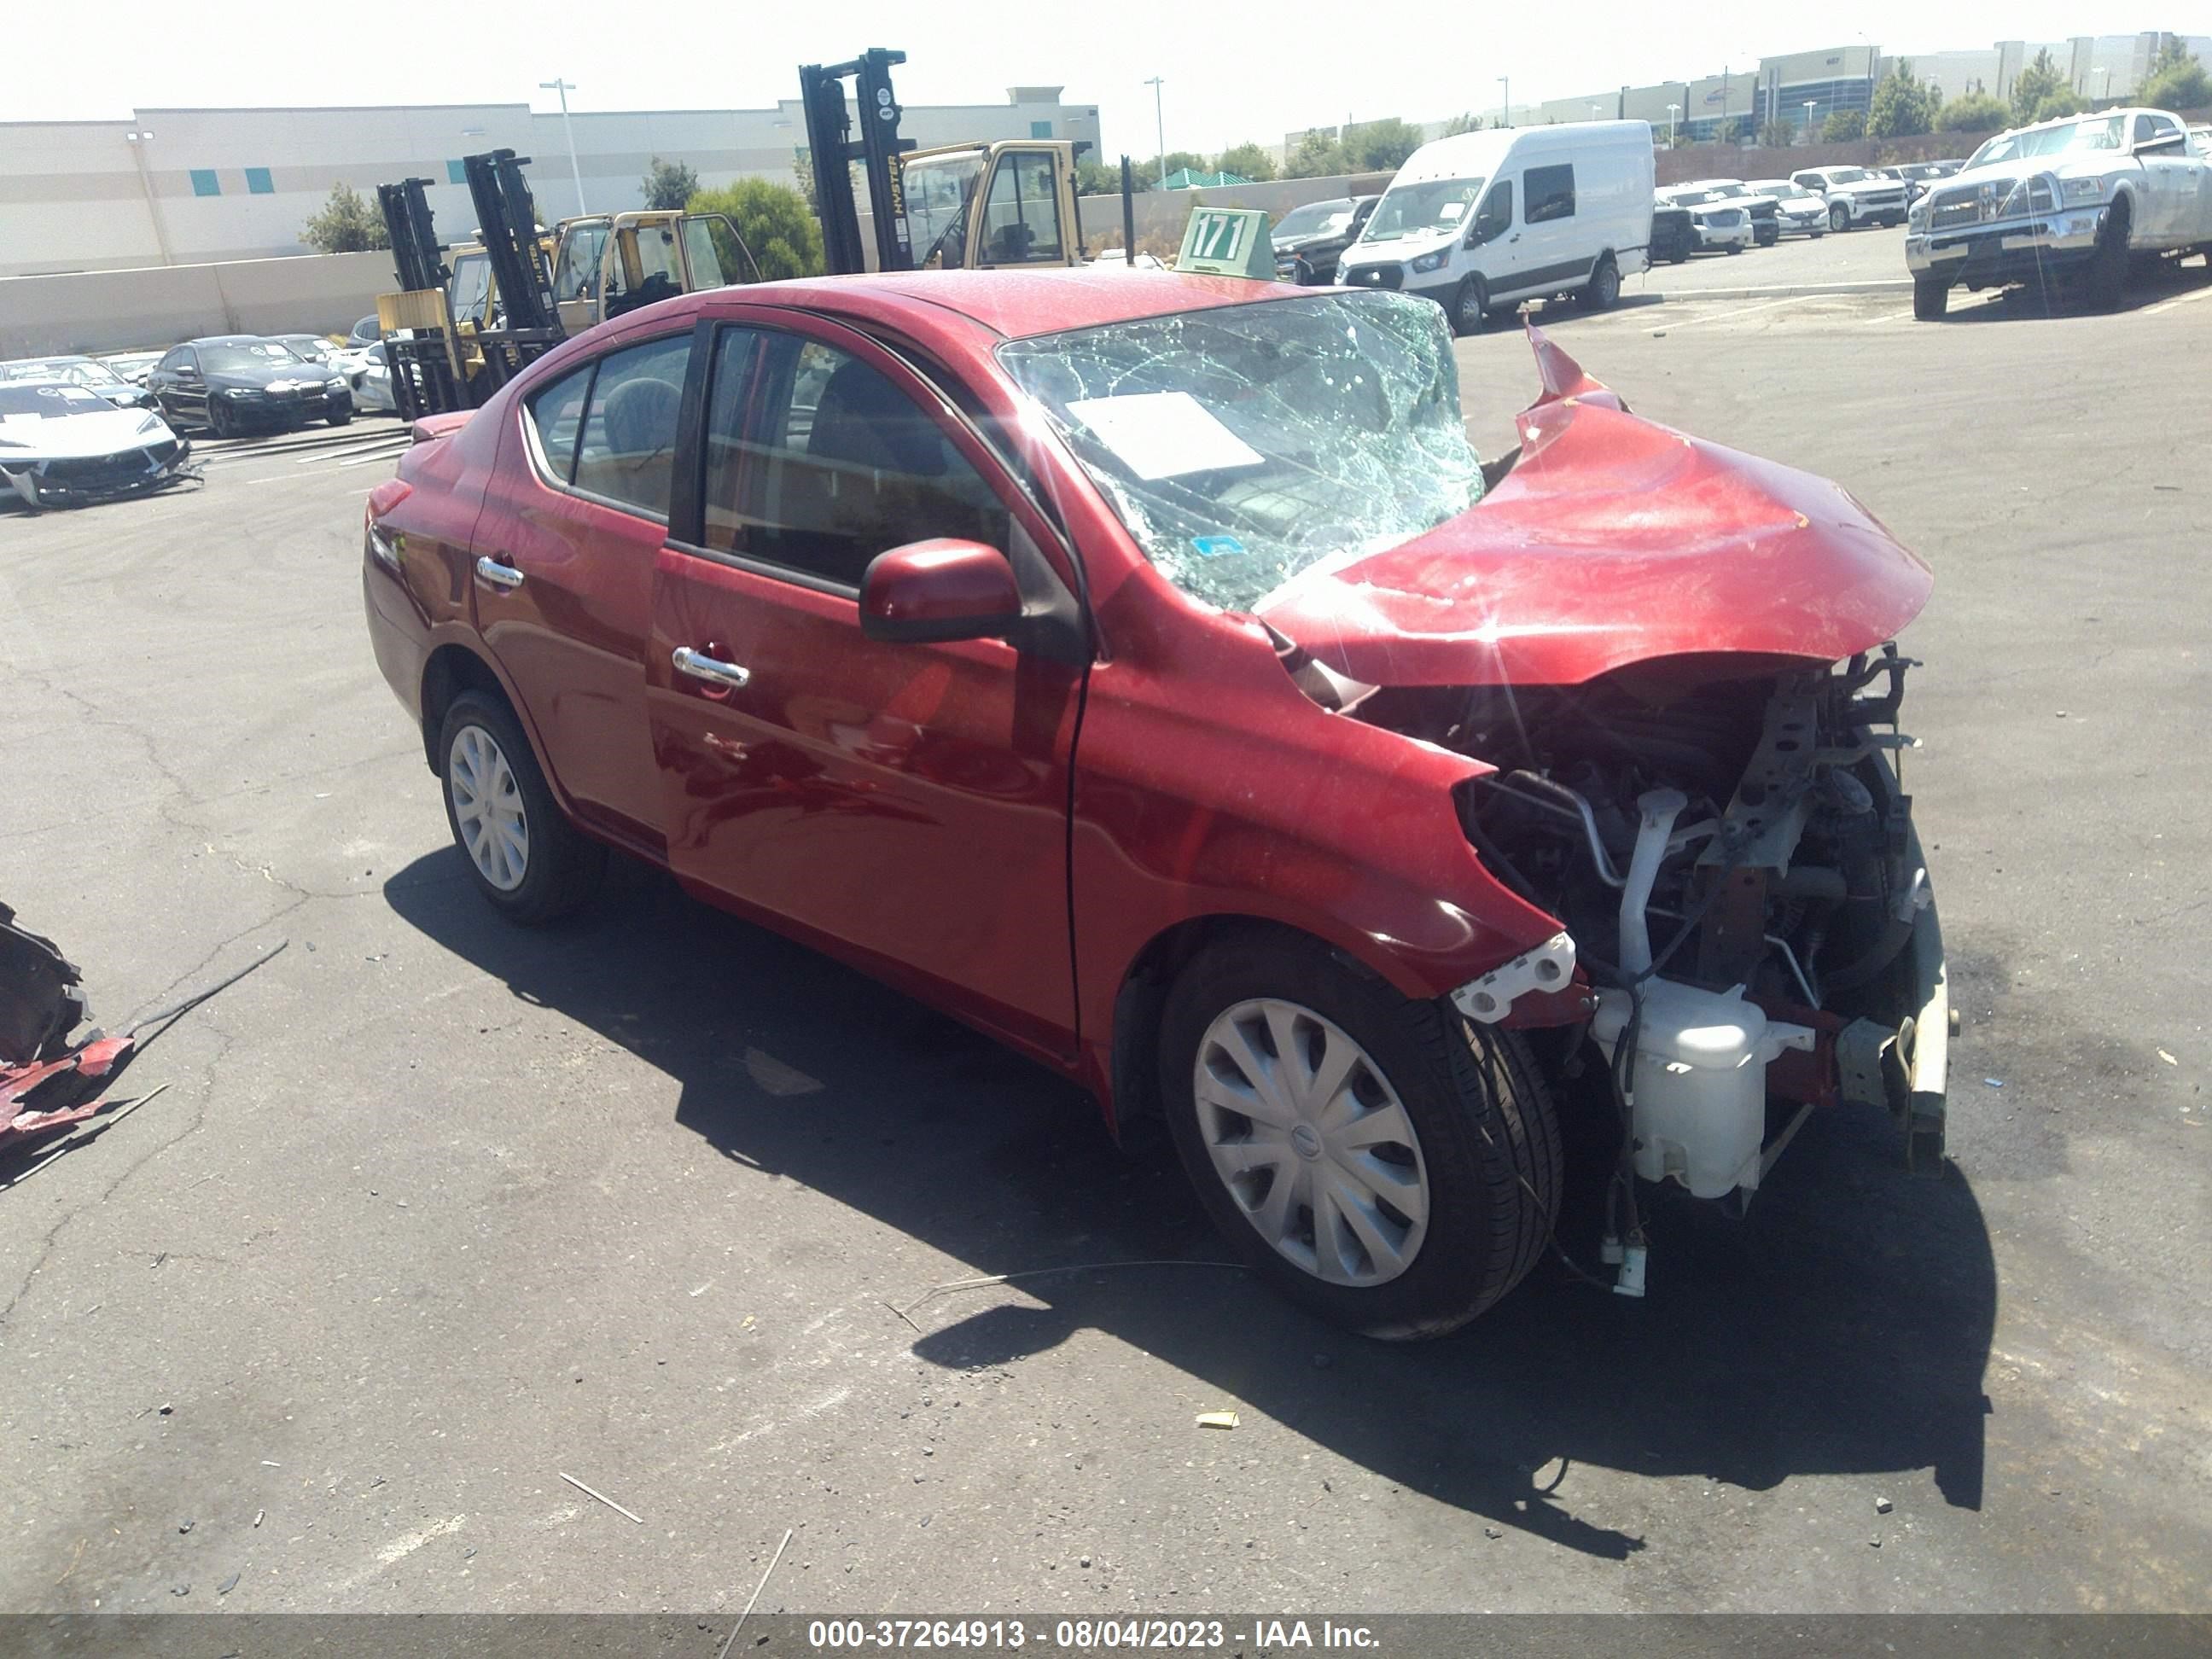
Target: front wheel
(1839, 216)
(1932, 298)
(2108, 266)
(1378, 1158)
(219, 419)
(529, 862)
(339, 418)
(1470, 303)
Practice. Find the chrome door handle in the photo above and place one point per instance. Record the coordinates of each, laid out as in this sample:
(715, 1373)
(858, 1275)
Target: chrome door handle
(498, 575)
(728, 675)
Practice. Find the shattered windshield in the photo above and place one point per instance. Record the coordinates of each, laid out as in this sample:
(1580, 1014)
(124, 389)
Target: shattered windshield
(1432, 206)
(1244, 444)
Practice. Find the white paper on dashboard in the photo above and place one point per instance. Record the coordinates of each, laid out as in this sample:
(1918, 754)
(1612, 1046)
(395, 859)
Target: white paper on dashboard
(1163, 434)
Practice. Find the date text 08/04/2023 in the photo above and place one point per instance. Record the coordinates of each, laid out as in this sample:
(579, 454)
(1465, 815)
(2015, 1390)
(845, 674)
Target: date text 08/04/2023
(1085, 1635)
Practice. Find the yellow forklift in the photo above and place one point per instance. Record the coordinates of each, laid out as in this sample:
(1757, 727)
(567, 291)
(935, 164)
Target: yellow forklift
(455, 333)
(956, 206)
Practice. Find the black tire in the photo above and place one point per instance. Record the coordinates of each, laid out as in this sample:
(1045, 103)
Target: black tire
(2107, 282)
(1816, 236)
(219, 420)
(1931, 297)
(1470, 307)
(562, 865)
(1603, 289)
(1489, 1141)
(337, 419)
(1840, 217)
(1735, 247)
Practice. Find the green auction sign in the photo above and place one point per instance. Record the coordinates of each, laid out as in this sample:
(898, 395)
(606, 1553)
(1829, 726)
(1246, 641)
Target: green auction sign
(1227, 242)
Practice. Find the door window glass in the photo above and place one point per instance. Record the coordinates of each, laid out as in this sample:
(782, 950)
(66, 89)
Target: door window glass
(1551, 194)
(646, 269)
(556, 415)
(818, 463)
(699, 249)
(1497, 215)
(627, 450)
(1021, 219)
(576, 275)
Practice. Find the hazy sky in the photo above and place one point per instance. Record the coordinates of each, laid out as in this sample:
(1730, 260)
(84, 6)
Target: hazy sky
(1232, 71)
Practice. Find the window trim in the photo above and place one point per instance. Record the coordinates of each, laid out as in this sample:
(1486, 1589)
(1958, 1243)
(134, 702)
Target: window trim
(536, 450)
(687, 532)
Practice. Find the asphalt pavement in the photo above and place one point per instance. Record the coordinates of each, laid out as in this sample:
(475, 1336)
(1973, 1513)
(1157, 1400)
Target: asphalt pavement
(435, 1213)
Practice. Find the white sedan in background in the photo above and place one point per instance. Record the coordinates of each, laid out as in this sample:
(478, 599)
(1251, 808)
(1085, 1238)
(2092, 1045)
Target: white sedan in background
(1797, 208)
(369, 375)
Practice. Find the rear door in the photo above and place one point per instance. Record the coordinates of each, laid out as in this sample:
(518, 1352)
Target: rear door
(903, 806)
(564, 567)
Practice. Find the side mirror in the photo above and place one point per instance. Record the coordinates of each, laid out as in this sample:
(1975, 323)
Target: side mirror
(943, 589)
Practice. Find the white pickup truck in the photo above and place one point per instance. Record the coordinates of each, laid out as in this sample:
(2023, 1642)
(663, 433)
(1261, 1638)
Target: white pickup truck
(1853, 196)
(2080, 198)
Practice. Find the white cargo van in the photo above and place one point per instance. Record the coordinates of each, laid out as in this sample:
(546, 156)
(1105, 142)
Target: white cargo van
(1481, 221)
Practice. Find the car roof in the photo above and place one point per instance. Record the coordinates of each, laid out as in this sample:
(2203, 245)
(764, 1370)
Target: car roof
(1015, 304)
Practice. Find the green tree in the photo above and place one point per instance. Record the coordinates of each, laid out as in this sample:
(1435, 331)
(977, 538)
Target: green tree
(1843, 126)
(1104, 178)
(1166, 166)
(2177, 81)
(1246, 162)
(1901, 106)
(1381, 146)
(668, 185)
(1777, 134)
(1460, 124)
(2034, 85)
(2055, 105)
(780, 233)
(1972, 112)
(346, 224)
(1317, 156)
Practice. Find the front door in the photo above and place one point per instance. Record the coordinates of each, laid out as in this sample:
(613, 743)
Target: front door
(178, 387)
(1496, 240)
(904, 806)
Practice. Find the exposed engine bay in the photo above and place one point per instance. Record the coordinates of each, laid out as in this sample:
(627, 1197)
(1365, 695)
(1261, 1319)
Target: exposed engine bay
(1734, 866)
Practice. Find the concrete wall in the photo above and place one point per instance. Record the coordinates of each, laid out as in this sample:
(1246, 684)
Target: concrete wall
(160, 305)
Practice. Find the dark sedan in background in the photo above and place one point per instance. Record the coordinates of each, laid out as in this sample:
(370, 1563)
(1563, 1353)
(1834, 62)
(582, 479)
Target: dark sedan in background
(236, 383)
(1311, 238)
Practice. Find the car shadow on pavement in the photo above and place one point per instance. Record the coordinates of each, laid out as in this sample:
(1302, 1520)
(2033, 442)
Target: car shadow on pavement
(2145, 288)
(1842, 1327)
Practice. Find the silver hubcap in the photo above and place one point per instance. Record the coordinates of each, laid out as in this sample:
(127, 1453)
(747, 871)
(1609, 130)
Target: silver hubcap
(487, 807)
(1312, 1142)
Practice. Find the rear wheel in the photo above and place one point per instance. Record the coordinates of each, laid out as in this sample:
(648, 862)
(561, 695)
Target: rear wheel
(1378, 1158)
(1604, 287)
(1839, 216)
(1931, 297)
(1470, 301)
(528, 861)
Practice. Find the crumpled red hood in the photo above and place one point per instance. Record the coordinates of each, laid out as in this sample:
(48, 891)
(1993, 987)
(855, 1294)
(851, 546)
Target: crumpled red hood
(1614, 541)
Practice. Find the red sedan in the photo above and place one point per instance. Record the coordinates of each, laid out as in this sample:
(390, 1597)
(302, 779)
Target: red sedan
(1144, 669)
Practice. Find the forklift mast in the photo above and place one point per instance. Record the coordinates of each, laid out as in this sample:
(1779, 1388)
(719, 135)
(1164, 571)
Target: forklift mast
(507, 218)
(831, 145)
(415, 255)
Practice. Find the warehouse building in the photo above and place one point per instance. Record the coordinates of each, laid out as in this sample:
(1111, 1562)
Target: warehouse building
(190, 186)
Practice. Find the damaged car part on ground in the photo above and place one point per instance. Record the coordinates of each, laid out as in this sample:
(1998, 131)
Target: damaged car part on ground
(1150, 673)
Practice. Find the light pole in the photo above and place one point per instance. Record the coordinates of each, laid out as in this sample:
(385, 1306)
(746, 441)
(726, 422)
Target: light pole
(1809, 120)
(1159, 129)
(564, 88)
(1506, 82)
(1672, 111)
